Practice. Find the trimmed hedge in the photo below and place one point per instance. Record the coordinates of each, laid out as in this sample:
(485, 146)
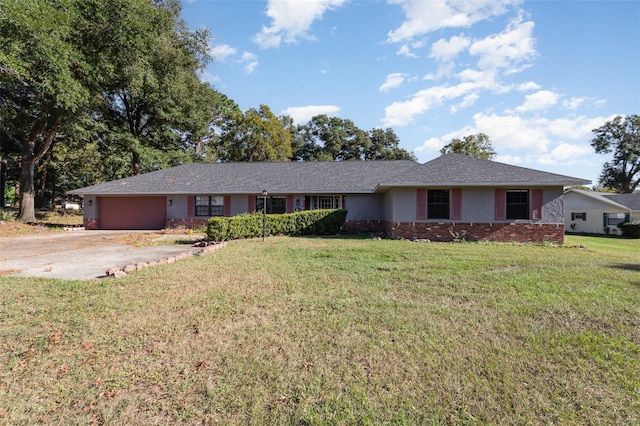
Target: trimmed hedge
(630, 229)
(249, 225)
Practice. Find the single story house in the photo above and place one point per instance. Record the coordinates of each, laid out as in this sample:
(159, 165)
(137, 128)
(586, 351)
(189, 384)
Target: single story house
(450, 195)
(591, 212)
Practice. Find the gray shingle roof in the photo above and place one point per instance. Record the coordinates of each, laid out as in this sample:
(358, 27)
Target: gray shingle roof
(252, 178)
(630, 201)
(324, 177)
(462, 170)
(620, 201)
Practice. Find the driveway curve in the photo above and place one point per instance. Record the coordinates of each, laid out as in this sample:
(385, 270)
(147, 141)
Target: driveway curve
(78, 255)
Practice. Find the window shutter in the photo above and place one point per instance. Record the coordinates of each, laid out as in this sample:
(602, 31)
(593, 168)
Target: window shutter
(421, 204)
(289, 203)
(191, 206)
(501, 204)
(456, 203)
(227, 205)
(251, 204)
(536, 202)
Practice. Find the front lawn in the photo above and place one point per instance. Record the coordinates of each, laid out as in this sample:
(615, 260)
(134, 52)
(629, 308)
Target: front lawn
(334, 331)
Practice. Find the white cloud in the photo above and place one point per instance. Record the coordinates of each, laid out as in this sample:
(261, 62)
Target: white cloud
(468, 101)
(542, 99)
(425, 16)
(402, 113)
(221, 52)
(432, 145)
(250, 62)
(291, 20)
(529, 85)
(405, 51)
(566, 153)
(393, 81)
(573, 103)
(446, 50)
(508, 49)
(512, 132)
(303, 114)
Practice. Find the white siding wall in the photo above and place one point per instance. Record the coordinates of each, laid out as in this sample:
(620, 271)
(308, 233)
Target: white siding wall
(595, 210)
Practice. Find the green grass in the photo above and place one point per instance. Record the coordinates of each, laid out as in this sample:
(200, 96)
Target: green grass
(334, 331)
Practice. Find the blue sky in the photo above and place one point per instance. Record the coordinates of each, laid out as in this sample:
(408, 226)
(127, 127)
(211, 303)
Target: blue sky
(536, 77)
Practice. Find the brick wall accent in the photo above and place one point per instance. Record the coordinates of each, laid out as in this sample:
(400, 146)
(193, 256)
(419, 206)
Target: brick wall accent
(189, 222)
(501, 232)
(90, 223)
(363, 226)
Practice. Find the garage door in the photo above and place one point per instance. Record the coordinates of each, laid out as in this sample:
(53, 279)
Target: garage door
(132, 212)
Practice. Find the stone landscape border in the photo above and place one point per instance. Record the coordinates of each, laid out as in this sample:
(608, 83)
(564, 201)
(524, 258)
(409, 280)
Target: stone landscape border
(207, 247)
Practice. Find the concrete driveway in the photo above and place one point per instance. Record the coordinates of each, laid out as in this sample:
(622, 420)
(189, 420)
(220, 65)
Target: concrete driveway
(78, 255)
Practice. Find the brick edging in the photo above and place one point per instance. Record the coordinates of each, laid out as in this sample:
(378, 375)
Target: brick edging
(117, 272)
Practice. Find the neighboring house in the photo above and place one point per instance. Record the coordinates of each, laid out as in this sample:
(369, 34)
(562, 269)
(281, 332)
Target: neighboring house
(450, 195)
(591, 212)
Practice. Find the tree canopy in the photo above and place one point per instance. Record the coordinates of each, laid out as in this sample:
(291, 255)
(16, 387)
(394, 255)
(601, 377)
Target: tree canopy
(335, 139)
(257, 135)
(620, 136)
(131, 65)
(478, 146)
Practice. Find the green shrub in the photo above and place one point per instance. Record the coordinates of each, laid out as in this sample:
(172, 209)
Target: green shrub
(249, 225)
(630, 229)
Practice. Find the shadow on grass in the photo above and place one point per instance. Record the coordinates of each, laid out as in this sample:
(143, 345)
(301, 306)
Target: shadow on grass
(602, 236)
(626, 266)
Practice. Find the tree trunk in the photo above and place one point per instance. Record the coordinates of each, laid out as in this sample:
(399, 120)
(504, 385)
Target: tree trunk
(136, 166)
(27, 211)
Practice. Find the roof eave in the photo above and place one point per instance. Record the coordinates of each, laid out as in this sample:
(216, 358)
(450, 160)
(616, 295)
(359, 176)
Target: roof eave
(478, 184)
(600, 198)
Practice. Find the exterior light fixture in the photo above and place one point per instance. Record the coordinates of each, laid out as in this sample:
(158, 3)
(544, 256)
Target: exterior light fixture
(264, 214)
(170, 202)
(90, 202)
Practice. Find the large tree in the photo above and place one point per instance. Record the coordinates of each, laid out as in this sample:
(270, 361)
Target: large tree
(257, 135)
(131, 65)
(385, 145)
(326, 138)
(622, 137)
(44, 79)
(478, 146)
(155, 108)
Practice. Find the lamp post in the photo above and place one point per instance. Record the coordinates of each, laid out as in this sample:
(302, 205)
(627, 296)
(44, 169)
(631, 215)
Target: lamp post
(264, 214)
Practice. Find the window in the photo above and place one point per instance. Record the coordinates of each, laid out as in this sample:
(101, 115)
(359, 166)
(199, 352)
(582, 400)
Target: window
(438, 204)
(325, 202)
(210, 205)
(275, 205)
(517, 203)
(613, 219)
(578, 216)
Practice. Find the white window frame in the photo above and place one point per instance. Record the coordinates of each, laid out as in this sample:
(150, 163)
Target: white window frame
(329, 202)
